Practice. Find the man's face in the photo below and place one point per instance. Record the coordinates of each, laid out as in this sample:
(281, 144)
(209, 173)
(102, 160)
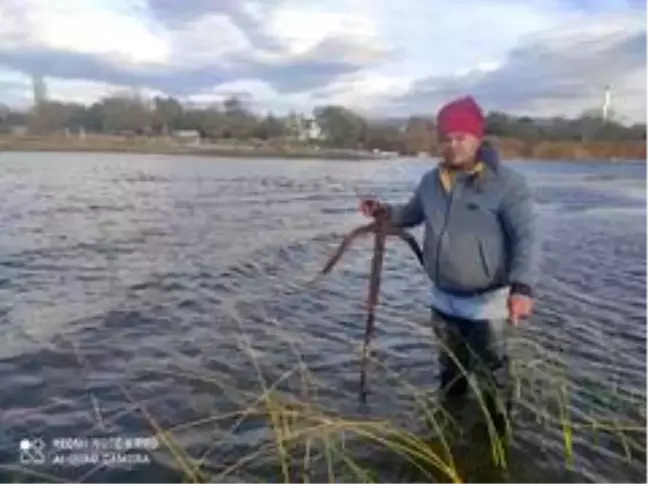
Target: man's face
(458, 149)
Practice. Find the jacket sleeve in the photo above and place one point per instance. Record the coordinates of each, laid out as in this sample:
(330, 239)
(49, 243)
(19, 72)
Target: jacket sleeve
(520, 222)
(408, 214)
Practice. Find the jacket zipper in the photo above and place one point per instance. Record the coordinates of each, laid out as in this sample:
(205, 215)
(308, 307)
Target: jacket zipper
(445, 226)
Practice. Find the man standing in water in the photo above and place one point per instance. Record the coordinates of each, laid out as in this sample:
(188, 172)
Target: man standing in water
(480, 253)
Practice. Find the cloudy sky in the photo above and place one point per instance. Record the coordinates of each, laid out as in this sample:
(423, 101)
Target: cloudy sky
(533, 57)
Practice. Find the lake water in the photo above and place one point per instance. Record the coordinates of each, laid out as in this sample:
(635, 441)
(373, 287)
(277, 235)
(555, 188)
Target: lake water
(173, 287)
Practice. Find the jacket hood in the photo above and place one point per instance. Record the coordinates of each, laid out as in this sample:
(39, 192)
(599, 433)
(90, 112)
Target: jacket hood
(489, 155)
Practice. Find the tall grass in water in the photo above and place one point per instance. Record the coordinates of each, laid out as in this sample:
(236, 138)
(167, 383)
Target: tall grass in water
(302, 439)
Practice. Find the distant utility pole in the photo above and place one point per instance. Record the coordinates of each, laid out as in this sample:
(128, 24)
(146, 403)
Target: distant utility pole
(607, 98)
(39, 88)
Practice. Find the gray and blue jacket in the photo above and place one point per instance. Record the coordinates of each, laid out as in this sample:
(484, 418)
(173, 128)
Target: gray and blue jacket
(480, 233)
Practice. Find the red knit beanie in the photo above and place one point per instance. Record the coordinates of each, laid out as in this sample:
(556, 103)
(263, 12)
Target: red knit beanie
(461, 115)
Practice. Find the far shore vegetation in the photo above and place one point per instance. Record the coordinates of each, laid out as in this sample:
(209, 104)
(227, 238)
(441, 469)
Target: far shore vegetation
(130, 123)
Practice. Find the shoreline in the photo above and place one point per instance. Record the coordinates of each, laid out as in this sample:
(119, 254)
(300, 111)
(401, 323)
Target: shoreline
(193, 151)
(164, 146)
(105, 144)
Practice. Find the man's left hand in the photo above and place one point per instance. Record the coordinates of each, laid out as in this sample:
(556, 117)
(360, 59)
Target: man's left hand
(519, 307)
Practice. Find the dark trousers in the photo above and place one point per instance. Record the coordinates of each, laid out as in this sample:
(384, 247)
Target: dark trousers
(477, 348)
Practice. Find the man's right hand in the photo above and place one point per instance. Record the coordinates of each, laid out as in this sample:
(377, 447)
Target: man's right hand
(370, 207)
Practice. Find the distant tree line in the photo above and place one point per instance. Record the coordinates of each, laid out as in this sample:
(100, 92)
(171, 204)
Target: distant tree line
(330, 126)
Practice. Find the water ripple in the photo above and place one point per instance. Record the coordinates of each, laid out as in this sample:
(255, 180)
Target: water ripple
(191, 284)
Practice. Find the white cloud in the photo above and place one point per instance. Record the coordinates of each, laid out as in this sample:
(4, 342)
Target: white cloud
(17, 87)
(541, 57)
(256, 90)
(201, 42)
(301, 29)
(86, 92)
(363, 91)
(559, 71)
(106, 29)
(13, 77)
